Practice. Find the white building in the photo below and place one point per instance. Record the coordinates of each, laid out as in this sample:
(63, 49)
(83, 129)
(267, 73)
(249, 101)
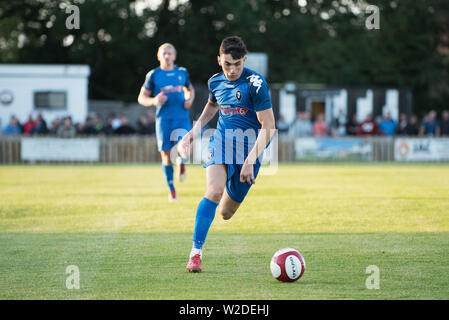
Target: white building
(53, 90)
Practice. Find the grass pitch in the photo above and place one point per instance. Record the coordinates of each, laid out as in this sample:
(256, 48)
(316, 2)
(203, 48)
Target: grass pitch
(114, 223)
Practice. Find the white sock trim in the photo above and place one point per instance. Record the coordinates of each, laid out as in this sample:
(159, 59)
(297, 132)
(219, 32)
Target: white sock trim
(195, 251)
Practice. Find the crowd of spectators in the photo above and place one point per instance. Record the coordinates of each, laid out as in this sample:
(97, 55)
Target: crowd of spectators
(303, 126)
(93, 125)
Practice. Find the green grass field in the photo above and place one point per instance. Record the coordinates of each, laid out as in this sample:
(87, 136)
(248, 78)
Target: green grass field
(114, 223)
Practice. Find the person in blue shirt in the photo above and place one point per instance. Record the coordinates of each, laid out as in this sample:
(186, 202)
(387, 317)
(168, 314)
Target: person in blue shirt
(169, 89)
(430, 126)
(245, 127)
(13, 128)
(387, 125)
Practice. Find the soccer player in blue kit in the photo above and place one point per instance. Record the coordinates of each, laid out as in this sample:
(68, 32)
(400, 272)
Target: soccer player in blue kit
(168, 88)
(245, 115)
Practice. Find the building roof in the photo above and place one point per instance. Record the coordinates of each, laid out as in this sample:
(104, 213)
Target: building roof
(44, 70)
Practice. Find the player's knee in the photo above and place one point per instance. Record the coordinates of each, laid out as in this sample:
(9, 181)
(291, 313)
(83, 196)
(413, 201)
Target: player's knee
(165, 156)
(214, 193)
(227, 214)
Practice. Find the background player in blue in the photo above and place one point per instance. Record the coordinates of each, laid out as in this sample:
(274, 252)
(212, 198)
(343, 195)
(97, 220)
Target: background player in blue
(245, 115)
(168, 88)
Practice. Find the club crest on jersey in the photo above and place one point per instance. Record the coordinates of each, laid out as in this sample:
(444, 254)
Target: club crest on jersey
(255, 81)
(238, 95)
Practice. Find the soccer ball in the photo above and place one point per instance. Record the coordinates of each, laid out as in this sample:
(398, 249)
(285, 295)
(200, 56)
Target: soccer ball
(287, 265)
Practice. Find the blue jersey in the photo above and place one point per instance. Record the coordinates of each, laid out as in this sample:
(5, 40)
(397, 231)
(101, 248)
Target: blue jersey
(237, 126)
(171, 83)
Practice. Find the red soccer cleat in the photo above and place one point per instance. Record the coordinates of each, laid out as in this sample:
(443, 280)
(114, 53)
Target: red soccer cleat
(181, 171)
(194, 264)
(172, 195)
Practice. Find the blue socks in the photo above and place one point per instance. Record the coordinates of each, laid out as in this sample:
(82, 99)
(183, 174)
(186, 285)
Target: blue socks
(168, 171)
(204, 216)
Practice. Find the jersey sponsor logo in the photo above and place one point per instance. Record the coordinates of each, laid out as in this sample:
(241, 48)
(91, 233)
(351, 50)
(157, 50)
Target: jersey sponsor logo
(169, 89)
(230, 111)
(238, 95)
(228, 85)
(255, 81)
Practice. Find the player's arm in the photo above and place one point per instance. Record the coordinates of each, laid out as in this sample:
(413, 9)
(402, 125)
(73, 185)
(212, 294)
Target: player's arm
(189, 94)
(209, 111)
(268, 129)
(145, 98)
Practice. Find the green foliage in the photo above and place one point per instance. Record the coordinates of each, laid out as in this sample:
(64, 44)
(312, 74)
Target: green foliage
(307, 41)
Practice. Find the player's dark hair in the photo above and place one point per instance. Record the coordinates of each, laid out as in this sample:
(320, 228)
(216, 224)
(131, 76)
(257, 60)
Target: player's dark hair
(234, 46)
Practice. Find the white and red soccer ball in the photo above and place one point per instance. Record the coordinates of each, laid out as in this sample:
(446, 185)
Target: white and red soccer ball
(287, 265)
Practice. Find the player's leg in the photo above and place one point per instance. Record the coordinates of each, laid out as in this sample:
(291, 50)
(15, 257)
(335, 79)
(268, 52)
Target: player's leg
(228, 206)
(167, 168)
(216, 176)
(164, 146)
(184, 126)
(235, 191)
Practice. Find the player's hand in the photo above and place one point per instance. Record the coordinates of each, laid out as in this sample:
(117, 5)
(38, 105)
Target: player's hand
(161, 98)
(188, 104)
(185, 146)
(247, 173)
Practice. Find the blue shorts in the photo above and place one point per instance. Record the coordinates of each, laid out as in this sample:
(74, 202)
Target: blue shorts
(236, 190)
(170, 131)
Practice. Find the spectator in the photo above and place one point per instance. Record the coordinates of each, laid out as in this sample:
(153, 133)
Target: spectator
(402, 125)
(387, 126)
(98, 126)
(368, 127)
(144, 127)
(339, 124)
(13, 128)
(55, 124)
(352, 125)
(67, 130)
(28, 126)
(444, 127)
(116, 121)
(302, 126)
(412, 128)
(430, 127)
(79, 128)
(282, 126)
(107, 127)
(320, 126)
(124, 128)
(41, 125)
(88, 127)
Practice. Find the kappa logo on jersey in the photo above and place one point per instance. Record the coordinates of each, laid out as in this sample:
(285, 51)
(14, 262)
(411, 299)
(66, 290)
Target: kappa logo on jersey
(238, 95)
(255, 81)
